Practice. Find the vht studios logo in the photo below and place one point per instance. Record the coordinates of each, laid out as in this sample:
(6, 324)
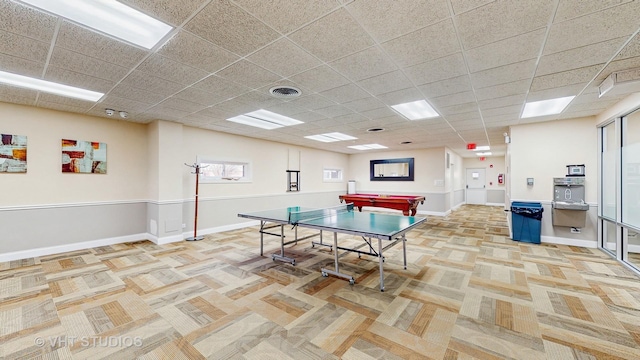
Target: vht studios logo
(89, 341)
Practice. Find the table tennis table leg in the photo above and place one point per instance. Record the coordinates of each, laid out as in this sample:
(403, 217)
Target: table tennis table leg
(281, 257)
(381, 267)
(404, 250)
(337, 272)
(262, 223)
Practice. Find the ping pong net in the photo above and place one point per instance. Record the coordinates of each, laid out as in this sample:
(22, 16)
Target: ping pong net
(297, 216)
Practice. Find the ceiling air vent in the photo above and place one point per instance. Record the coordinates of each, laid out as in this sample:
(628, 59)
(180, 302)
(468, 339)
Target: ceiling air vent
(285, 92)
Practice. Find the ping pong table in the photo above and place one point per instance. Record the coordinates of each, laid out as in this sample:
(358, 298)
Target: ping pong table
(340, 219)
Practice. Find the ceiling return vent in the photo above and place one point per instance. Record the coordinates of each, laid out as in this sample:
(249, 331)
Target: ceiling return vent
(620, 83)
(285, 91)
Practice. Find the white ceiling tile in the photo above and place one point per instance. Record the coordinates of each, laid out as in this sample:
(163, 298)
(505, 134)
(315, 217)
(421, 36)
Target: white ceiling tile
(23, 47)
(248, 74)
(364, 64)
(72, 78)
(171, 12)
(287, 15)
(334, 110)
(15, 95)
(429, 43)
(386, 20)
(182, 105)
(284, 58)
(436, 70)
(379, 113)
(502, 90)
(632, 49)
(312, 102)
(593, 28)
(84, 41)
(385, 83)
(221, 87)
(460, 6)
(572, 9)
(599, 53)
(346, 93)
(236, 31)
(21, 66)
(508, 51)
(144, 96)
(83, 64)
(448, 86)
(341, 36)
(200, 96)
(165, 68)
(138, 79)
(320, 78)
(458, 109)
(502, 19)
(24, 20)
(561, 79)
(503, 101)
(192, 50)
(365, 104)
(504, 74)
(453, 99)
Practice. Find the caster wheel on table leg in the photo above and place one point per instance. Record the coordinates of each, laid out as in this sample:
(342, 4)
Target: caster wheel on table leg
(352, 281)
(324, 274)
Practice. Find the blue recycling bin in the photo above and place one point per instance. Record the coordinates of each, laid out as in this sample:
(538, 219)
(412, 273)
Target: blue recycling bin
(526, 220)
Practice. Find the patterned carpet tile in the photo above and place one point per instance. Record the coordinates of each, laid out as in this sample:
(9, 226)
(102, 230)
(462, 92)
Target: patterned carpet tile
(468, 292)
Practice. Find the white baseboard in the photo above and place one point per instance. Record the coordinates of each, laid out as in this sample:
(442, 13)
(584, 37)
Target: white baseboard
(223, 228)
(25, 254)
(166, 239)
(570, 242)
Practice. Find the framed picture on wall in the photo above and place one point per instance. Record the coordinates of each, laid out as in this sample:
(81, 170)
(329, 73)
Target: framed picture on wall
(13, 153)
(87, 157)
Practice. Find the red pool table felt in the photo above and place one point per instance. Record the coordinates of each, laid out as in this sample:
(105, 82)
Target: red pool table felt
(406, 203)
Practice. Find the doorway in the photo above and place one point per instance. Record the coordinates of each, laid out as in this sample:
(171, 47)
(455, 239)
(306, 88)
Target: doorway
(476, 193)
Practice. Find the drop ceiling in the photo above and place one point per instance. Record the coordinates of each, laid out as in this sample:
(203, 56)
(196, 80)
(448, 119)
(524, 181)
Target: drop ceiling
(476, 62)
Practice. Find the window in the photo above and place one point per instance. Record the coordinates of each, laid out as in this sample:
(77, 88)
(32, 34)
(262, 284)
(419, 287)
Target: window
(216, 171)
(330, 175)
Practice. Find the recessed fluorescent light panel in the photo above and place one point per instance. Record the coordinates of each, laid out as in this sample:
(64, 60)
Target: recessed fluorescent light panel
(367, 147)
(545, 107)
(331, 137)
(482, 148)
(110, 17)
(416, 110)
(264, 119)
(488, 153)
(49, 87)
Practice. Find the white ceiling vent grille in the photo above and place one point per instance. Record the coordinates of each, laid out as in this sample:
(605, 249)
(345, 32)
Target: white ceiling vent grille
(620, 83)
(285, 92)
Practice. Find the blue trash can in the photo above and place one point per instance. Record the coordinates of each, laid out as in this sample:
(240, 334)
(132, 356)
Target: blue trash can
(526, 218)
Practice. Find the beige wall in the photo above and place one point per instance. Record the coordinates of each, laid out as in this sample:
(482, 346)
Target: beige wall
(543, 150)
(44, 183)
(429, 166)
(493, 166)
(269, 162)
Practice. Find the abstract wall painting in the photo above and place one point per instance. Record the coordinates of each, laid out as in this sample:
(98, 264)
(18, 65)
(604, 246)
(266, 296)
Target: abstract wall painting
(84, 157)
(13, 153)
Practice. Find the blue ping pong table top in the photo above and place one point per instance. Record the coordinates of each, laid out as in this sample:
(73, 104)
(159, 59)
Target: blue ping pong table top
(356, 222)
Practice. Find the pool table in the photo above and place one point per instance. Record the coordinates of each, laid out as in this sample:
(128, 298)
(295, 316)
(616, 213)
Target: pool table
(405, 203)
